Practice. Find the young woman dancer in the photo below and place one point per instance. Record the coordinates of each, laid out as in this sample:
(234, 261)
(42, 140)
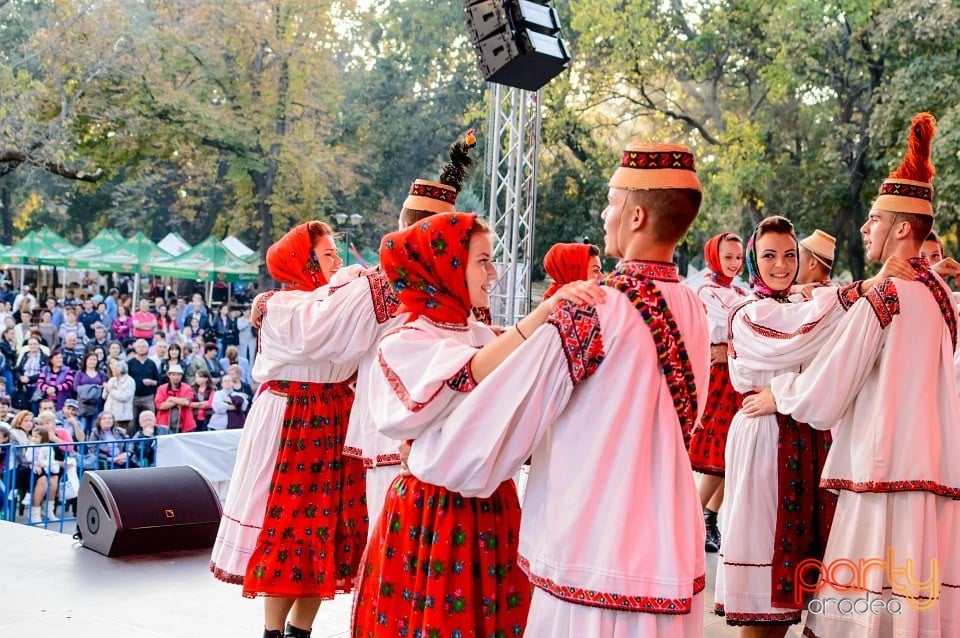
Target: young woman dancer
(775, 513)
(571, 262)
(724, 257)
(369, 304)
(437, 562)
(294, 522)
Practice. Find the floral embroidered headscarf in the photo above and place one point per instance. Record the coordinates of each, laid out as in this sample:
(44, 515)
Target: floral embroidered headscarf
(566, 263)
(426, 264)
(757, 284)
(711, 254)
(291, 262)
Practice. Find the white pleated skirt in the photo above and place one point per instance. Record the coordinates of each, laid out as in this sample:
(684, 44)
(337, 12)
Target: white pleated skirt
(913, 537)
(748, 524)
(246, 503)
(554, 618)
(379, 480)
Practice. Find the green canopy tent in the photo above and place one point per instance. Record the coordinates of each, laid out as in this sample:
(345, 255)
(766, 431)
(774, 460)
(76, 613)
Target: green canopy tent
(55, 241)
(79, 258)
(104, 242)
(135, 255)
(241, 250)
(32, 250)
(35, 251)
(209, 261)
(115, 234)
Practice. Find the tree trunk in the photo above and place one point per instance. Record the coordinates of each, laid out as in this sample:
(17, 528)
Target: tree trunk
(6, 213)
(265, 180)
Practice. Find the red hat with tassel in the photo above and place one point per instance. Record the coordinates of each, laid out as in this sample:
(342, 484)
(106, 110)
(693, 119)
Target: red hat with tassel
(909, 188)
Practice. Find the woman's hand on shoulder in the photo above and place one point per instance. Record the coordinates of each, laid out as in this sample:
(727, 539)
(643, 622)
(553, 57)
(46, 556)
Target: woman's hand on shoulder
(578, 293)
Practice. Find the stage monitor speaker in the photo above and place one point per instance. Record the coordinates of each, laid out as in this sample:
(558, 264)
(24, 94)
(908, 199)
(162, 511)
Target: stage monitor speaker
(147, 510)
(518, 42)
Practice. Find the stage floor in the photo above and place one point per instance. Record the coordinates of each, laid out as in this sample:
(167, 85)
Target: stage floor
(53, 586)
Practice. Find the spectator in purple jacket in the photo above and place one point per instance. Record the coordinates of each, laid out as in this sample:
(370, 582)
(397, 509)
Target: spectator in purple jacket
(56, 380)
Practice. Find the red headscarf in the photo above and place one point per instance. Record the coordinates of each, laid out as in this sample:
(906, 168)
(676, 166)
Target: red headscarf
(565, 263)
(291, 262)
(427, 267)
(711, 253)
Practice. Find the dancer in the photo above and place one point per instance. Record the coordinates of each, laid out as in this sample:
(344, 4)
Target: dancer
(893, 461)
(367, 320)
(602, 397)
(294, 522)
(438, 562)
(775, 515)
(570, 262)
(932, 248)
(724, 256)
(816, 258)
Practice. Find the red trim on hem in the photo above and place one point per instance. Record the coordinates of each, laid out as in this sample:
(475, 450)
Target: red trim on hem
(776, 334)
(617, 602)
(891, 486)
(357, 453)
(225, 576)
(748, 620)
(388, 459)
(240, 523)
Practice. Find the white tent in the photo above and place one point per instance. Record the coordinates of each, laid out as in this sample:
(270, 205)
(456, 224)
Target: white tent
(174, 244)
(237, 247)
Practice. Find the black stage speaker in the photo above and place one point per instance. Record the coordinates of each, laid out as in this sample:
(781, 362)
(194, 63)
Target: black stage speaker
(518, 42)
(147, 510)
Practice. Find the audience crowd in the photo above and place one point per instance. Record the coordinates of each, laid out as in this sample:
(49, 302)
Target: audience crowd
(94, 369)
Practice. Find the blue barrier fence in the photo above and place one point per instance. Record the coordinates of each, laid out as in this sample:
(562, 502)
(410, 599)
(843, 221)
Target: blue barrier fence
(38, 483)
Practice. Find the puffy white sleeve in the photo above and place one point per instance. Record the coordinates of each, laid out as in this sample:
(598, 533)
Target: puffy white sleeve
(496, 428)
(335, 323)
(417, 380)
(822, 392)
(766, 336)
(718, 302)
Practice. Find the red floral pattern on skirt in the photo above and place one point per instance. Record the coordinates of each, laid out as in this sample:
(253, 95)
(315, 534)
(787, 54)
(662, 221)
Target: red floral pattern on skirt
(709, 441)
(441, 564)
(316, 519)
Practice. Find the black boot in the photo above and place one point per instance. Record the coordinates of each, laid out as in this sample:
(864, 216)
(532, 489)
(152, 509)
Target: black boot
(712, 543)
(296, 632)
(272, 633)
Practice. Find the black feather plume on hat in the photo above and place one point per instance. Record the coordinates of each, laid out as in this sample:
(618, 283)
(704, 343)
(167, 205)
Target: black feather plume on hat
(455, 172)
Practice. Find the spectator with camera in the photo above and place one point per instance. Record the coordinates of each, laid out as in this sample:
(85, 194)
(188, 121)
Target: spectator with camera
(173, 402)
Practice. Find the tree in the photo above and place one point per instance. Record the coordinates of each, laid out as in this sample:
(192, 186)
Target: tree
(412, 90)
(42, 93)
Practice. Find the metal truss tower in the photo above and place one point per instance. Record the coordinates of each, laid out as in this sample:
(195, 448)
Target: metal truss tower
(513, 142)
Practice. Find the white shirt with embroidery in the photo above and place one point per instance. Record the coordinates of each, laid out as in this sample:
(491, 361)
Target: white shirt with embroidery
(611, 515)
(887, 375)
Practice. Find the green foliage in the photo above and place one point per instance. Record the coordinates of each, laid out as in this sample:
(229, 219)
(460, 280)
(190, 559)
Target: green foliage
(245, 116)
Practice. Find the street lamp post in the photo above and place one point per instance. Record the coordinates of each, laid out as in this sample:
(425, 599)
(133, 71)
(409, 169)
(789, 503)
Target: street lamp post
(355, 219)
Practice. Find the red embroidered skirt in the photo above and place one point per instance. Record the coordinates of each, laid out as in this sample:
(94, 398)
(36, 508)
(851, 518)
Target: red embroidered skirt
(315, 524)
(441, 564)
(709, 442)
